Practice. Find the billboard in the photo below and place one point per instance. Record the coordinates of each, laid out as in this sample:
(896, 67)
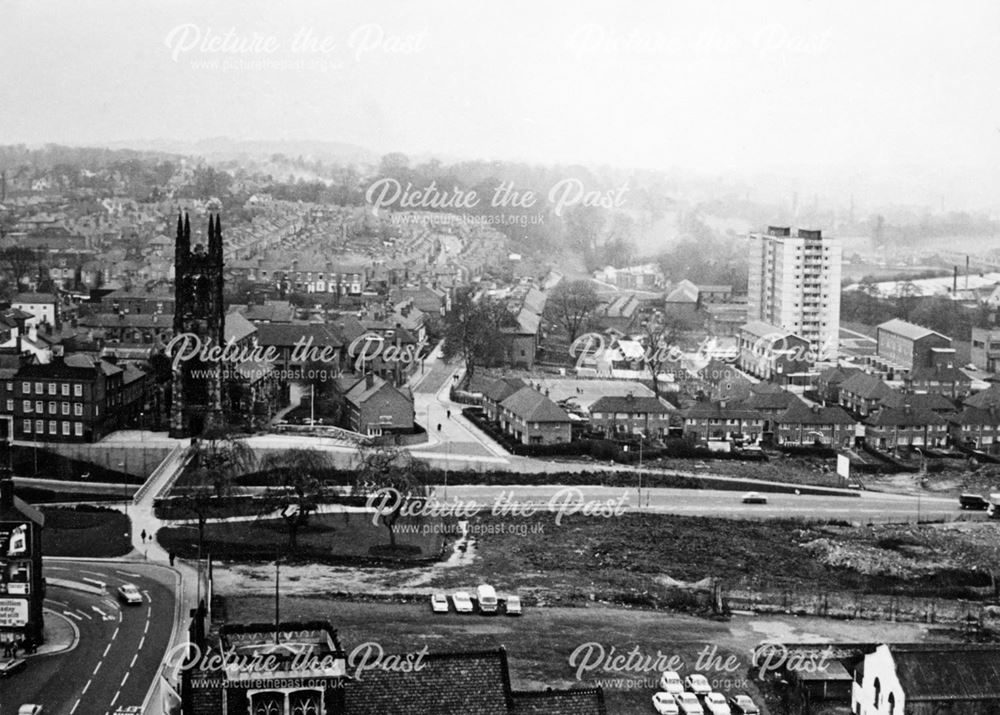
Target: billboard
(14, 540)
(13, 612)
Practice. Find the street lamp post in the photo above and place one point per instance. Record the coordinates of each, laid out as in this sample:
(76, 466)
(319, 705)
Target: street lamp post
(920, 484)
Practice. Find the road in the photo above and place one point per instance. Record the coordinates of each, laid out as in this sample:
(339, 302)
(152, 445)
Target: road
(120, 647)
(867, 506)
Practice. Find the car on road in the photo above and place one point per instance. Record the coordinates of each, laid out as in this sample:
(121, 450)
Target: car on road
(754, 498)
(513, 606)
(9, 666)
(439, 603)
(716, 704)
(462, 601)
(671, 682)
(665, 704)
(742, 704)
(698, 684)
(128, 593)
(689, 704)
(974, 502)
(29, 709)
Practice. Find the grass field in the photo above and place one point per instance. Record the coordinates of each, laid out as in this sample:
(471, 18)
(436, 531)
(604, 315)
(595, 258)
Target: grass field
(326, 538)
(97, 534)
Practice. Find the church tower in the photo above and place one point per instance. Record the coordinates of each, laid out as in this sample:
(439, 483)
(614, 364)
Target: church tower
(196, 402)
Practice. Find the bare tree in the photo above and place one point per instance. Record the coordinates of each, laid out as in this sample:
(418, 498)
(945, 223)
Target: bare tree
(300, 472)
(21, 262)
(661, 333)
(571, 305)
(393, 475)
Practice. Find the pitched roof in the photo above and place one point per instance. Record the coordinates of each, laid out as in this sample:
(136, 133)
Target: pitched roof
(952, 671)
(866, 386)
(929, 373)
(685, 292)
(715, 410)
(532, 406)
(630, 403)
(34, 298)
(912, 417)
(765, 398)
(977, 416)
(908, 330)
(803, 414)
(446, 684)
(290, 334)
(500, 390)
(990, 397)
(927, 400)
(837, 374)
(236, 327)
(761, 329)
(575, 701)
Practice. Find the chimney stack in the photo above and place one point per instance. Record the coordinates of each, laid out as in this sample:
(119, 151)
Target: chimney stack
(369, 380)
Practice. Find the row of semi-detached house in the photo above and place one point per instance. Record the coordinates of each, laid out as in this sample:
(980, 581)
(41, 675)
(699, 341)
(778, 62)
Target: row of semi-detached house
(299, 276)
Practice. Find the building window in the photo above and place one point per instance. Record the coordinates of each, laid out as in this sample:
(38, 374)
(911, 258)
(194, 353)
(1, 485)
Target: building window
(27, 426)
(52, 408)
(77, 390)
(53, 427)
(65, 389)
(65, 428)
(10, 405)
(27, 405)
(65, 408)
(39, 388)
(26, 388)
(77, 409)
(52, 388)
(39, 406)
(78, 429)
(40, 426)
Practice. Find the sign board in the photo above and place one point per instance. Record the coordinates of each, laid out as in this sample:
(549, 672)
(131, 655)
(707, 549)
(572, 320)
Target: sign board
(14, 538)
(13, 612)
(17, 589)
(843, 466)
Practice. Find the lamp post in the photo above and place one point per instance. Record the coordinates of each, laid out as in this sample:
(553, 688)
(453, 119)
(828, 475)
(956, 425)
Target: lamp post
(920, 484)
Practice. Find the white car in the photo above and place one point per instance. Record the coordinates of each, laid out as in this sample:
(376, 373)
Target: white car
(697, 684)
(689, 704)
(462, 601)
(513, 606)
(716, 704)
(670, 682)
(664, 704)
(754, 498)
(30, 710)
(129, 593)
(439, 603)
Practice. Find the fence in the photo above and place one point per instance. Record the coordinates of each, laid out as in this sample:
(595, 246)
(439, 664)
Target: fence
(859, 606)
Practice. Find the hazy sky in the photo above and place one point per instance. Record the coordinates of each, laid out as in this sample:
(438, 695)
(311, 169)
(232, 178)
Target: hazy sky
(872, 89)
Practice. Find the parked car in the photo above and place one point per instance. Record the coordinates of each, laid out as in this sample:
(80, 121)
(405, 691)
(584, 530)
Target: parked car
(439, 603)
(29, 709)
(129, 594)
(754, 498)
(698, 684)
(671, 682)
(462, 601)
(689, 704)
(742, 705)
(487, 597)
(973, 501)
(513, 606)
(9, 666)
(716, 704)
(665, 704)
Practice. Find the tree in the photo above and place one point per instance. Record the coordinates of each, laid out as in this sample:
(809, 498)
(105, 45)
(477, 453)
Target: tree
(661, 333)
(21, 262)
(473, 331)
(584, 226)
(218, 460)
(570, 306)
(299, 471)
(392, 478)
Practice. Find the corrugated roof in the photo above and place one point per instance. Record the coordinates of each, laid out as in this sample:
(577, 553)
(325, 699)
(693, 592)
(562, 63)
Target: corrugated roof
(576, 701)
(908, 330)
(948, 672)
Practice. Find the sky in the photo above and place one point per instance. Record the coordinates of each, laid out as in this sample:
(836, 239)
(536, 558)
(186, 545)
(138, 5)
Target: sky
(899, 95)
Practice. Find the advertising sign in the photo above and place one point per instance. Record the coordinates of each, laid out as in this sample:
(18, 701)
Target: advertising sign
(13, 612)
(14, 540)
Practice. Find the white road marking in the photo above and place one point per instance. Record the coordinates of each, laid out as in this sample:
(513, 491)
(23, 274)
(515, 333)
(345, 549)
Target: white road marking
(141, 642)
(115, 634)
(75, 706)
(85, 688)
(98, 610)
(92, 573)
(72, 615)
(98, 666)
(115, 699)
(106, 649)
(127, 673)
(85, 615)
(134, 659)
(146, 594)
(145, 630)
(61, 603)
(129, 574)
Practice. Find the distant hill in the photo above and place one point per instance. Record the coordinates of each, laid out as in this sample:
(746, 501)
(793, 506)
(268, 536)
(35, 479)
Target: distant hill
(224, 148)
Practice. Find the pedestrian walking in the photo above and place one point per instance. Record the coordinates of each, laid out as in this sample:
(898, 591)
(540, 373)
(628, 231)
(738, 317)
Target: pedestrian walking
(171, 556)
(143, 535)
(449, 414)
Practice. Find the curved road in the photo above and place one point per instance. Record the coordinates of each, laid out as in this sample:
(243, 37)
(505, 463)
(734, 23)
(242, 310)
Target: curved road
(120, 647)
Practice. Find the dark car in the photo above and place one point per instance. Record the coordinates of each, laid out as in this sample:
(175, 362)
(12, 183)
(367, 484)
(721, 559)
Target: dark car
(973, 501)
(743, 705)
(9, 666)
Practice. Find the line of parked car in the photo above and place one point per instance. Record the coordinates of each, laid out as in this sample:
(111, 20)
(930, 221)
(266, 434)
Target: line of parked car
(486, 600)
(694, 696)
